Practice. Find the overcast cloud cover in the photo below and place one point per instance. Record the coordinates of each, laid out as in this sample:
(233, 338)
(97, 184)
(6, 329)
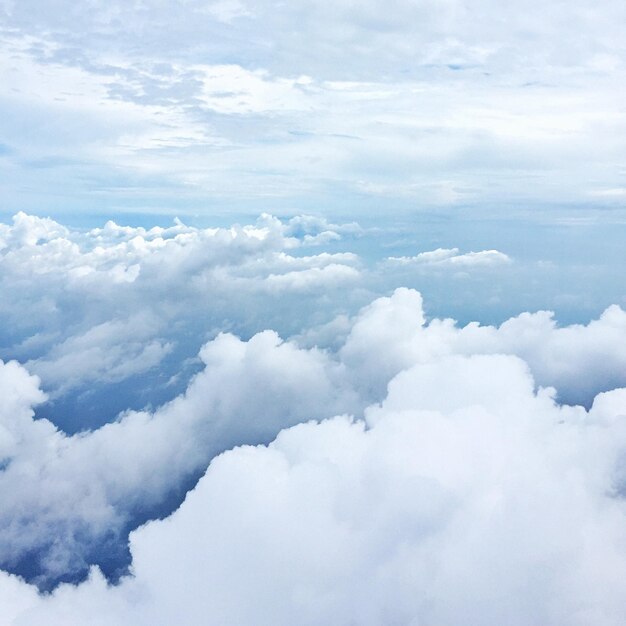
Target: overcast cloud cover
(335, 106)
(312, 313)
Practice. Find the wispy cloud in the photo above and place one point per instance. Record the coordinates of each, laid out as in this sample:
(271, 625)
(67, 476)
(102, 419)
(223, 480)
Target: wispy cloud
(451, 257)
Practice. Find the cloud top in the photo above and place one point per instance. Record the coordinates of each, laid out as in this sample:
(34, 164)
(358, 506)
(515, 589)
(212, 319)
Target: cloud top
(92, 488)
(464, 493)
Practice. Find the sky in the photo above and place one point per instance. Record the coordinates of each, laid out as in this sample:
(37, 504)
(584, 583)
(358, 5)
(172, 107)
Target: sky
(312, 312)
(360, 108)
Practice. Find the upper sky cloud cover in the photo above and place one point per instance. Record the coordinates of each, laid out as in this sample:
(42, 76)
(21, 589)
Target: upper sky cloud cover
(339, 106)
(312, 313)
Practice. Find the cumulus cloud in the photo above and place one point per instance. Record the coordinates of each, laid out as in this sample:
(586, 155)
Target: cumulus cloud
(108, 352)
(229, 425)
(314, 230)
(579, 361)
(70, 501)
(467, 494)
(101, 306)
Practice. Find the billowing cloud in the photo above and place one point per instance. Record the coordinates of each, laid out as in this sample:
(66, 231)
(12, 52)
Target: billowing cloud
(275, 422)
(465, 494)
(107, 352)
(101, 306)
(69, 501)
(579, 361)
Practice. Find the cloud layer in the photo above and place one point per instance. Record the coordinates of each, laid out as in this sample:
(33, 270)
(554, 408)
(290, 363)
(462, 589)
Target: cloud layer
(128, 308)
(70, 501)
(86, 309)
(422, 104)
(465, 494)
(277, 422)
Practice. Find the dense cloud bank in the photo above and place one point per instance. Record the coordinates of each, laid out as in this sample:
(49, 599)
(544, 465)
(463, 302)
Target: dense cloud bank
(466, 495)
(70, 293)
(69, 501)
(266, 423)
(123, 311)
(382, 465)
(88, 311)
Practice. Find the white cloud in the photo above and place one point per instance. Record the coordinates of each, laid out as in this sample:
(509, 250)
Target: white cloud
(451, 257)
(330, 274)
(107, 352)
(580, 361)
(409, 470)
(66, 499)
(422, 103)
(113, 302)
(467, 496)
(616, 192)
(227, 10)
